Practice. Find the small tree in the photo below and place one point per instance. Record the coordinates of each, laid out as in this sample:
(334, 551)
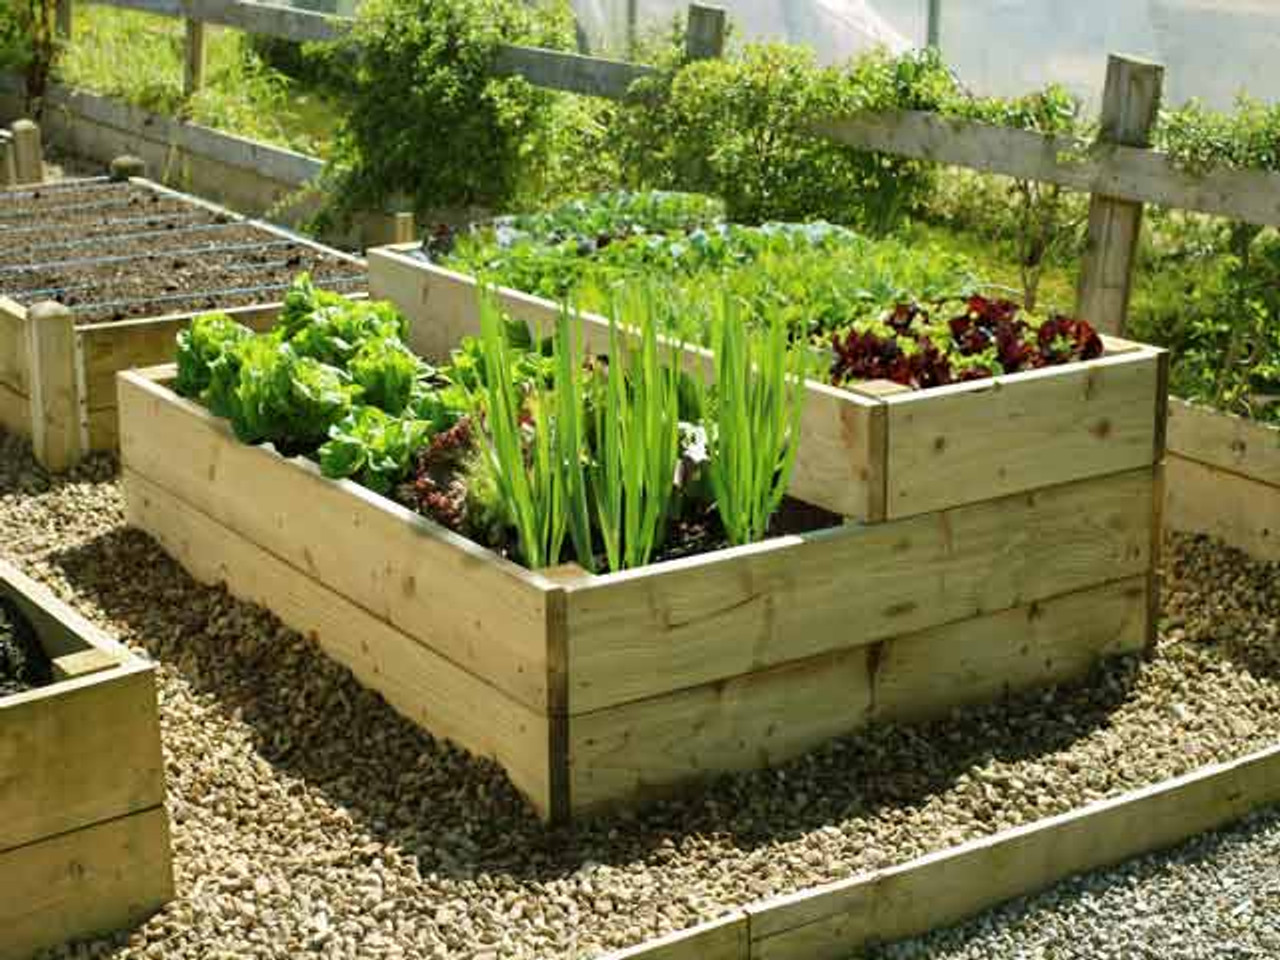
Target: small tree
(29, 44)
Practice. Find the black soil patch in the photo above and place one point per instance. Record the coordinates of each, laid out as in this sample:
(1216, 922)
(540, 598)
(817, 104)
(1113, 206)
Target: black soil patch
(23, 663)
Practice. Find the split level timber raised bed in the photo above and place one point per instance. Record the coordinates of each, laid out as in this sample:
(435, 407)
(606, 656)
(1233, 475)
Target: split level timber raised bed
(1224, 478)
(592, 690)
(98, 276)
(84, 838)
(879, 451)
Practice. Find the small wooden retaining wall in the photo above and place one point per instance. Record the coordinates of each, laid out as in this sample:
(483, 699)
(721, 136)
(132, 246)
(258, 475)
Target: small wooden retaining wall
(835, 921)
(1224, 478)
(84, 838)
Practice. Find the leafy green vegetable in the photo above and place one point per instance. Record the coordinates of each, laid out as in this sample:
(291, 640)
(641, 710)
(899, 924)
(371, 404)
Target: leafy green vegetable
(286, 399)
(203, 344)
(386, 371)
(375, 449)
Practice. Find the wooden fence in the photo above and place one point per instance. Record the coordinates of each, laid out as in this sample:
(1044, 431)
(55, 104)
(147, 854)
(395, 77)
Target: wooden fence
(553, 69)
(1119, 170)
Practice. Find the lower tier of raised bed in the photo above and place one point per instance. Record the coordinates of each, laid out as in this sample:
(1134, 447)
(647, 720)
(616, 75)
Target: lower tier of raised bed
(593, 690)
(84, 838)
(1224, 478)
(97, 277)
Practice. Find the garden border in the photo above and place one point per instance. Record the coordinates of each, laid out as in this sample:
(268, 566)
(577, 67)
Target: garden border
(84, 837)
(833, 921)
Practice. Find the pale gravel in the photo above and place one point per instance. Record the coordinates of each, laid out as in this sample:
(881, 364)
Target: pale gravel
(1216, 897)
(309, 819)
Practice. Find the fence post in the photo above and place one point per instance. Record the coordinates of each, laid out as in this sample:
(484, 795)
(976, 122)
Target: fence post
(54, 386)
(28, 154)
(65, 16)
(193, 58)
(8, 173)
(1130, 103)
(704, 38)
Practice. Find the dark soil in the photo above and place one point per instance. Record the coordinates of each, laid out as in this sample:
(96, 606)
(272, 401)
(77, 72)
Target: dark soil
(121, 252)
(23, 662)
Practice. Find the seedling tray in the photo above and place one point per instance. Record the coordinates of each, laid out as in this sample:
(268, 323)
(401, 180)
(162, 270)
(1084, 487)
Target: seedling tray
(84, 838)
(130, 263)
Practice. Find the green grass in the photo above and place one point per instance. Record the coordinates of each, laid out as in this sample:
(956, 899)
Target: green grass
(137, 57)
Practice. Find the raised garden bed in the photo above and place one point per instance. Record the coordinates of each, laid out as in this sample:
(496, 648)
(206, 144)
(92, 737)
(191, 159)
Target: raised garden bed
(84, 838)
(1224, 478)
(878, 452)
(130, 264)
(595, 689)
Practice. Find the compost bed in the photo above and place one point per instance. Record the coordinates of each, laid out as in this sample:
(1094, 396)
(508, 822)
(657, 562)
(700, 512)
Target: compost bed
(132, 262)
(309, 816)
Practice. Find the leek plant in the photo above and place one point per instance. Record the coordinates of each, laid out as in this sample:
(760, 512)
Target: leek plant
(759, 398)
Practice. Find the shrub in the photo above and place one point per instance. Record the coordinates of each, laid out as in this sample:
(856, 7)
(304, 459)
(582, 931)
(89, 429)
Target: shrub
(427, 117)
(29, 44)
(738, 128)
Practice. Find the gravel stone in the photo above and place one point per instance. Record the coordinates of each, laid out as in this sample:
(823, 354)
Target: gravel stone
(310, 819)
(1216, 897)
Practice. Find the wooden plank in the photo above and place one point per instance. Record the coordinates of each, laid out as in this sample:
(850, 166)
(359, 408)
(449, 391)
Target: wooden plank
(163, 8)
(641, 633)
(269, 20)
(974, 441)
(485, 614)
(15, 412)
(103, 729)
(83, 662)
(836, 921)
(570, 72)
(837, 467)
(104, 429)
(922, 676)
(645, 747)
(1126, 173)
(1225, 441)
(1130, 107)
(61, 629)
(14, 350)
(725, 938)
(1240, 512)
(421, 685)
(93, 881)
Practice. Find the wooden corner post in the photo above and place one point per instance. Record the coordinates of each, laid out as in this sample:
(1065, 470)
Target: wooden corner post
(1130, 104)
(28, 154)
(55, 389)
(704, 39)
(8, 172)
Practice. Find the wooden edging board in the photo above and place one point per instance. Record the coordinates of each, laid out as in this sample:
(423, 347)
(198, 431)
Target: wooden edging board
(1223, 478)
(84, 838)
(835, 921)
(870, 455)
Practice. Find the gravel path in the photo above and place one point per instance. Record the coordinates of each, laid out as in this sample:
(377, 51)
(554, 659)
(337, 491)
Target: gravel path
(1214, 898)
(310, 819)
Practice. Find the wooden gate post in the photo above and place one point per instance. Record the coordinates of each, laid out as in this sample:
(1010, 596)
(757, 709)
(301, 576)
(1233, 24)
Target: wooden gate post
(1130, 104)
(54, 386)
(65, 16)
(704, 36)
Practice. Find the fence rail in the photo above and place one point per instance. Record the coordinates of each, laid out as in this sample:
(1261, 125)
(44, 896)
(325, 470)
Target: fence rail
(553, 69)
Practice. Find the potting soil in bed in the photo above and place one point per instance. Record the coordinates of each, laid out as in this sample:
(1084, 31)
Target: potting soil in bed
(116, 251)
(23, 662)
(308, 817)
